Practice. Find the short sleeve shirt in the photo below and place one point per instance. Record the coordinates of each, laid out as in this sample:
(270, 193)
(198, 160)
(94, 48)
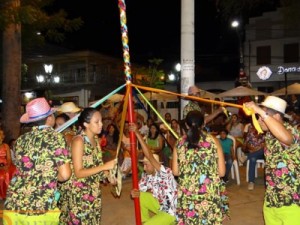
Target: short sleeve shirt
(163, 187)
(39, 153)
(282, 171)
(226, 144)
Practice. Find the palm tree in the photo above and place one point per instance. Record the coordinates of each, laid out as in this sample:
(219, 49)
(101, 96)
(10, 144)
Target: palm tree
(14, 18)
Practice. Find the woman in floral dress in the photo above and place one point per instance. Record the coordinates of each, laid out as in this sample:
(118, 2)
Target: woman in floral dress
(88, 172)
(198, 161)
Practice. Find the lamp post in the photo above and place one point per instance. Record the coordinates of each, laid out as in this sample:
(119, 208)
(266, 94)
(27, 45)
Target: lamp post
(243, 79)
(47, 78)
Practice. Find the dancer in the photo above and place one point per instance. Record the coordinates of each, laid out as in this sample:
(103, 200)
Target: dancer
(282, 167)
(88, 171)
(42, 160)
(198, 161)
(157, 188)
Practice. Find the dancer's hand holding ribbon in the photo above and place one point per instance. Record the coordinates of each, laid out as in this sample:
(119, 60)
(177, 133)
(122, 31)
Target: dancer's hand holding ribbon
(250, 112)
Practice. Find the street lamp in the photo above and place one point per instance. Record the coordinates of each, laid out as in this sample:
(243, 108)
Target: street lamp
(47, 79)
(236, 24)
(243, 79)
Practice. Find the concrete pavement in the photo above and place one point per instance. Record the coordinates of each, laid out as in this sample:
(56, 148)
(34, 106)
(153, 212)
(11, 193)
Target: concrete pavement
(245, 206)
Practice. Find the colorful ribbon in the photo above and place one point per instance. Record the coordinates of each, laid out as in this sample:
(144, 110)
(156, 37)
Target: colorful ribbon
(157, 113)
(124, 32)
(246, 110)
(96, 104)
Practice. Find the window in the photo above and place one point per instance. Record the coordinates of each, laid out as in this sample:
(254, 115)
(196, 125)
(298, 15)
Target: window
(263, 55)
(172, 105)
(291, 53)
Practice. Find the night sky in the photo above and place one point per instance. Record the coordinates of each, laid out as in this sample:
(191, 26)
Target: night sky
(154, 32)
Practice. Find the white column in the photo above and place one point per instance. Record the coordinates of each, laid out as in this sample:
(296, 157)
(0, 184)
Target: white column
(187, 48)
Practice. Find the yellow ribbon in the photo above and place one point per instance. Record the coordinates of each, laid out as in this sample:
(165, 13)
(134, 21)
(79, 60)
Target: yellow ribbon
(250, 112)
(225, 111)
(246, 110)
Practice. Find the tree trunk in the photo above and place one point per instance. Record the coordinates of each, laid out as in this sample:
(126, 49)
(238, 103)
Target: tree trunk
(11, 96)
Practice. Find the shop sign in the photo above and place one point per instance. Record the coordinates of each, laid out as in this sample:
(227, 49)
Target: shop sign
(293, 69)
(265, 72)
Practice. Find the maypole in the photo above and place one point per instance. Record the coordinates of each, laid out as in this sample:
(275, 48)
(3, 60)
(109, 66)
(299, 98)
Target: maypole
(127, 71)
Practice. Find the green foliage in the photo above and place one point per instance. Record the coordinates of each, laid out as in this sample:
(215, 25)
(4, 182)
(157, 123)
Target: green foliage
(36, 16)
(152, 76)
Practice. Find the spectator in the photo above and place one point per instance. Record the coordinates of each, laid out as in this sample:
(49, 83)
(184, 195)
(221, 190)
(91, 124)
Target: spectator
(42, 160)
(155, 140)
(254, 144)
(236, 129)
(163, 128)
(7, 168)
(227, 146)
(112, 137)
(282, 164)
(126, 164)
(108, 113)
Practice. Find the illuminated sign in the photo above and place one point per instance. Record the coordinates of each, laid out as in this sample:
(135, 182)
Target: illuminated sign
(265, 72)
(282, 70)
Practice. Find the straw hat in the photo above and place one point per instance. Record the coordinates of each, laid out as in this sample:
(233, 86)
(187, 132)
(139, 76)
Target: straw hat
(156, 157)
(275, 103)
(107, 103)
(36, 110)
(68, 107)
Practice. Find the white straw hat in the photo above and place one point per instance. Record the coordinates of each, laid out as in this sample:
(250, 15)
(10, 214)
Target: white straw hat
(275, 103)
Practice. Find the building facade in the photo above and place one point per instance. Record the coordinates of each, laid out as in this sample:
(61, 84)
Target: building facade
(271, 51)
(82, 76)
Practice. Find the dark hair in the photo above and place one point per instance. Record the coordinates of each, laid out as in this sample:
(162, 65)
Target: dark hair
(175, 121)
(116, 133)
(85, 116)
(39, 122)
(11, 142)
(168, 114)
(64, 116)
(194, 120)
(156, 132)
(224, 130)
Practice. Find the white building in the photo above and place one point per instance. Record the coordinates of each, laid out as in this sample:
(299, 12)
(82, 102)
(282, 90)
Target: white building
(272, 47)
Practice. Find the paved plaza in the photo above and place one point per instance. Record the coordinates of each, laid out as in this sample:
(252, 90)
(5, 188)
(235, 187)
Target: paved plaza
(245, 206)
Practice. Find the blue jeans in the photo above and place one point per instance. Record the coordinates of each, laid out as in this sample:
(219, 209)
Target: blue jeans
(228, 160)
(252, 157)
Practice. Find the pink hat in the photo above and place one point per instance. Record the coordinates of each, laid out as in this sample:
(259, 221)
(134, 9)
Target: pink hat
(36, 110)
